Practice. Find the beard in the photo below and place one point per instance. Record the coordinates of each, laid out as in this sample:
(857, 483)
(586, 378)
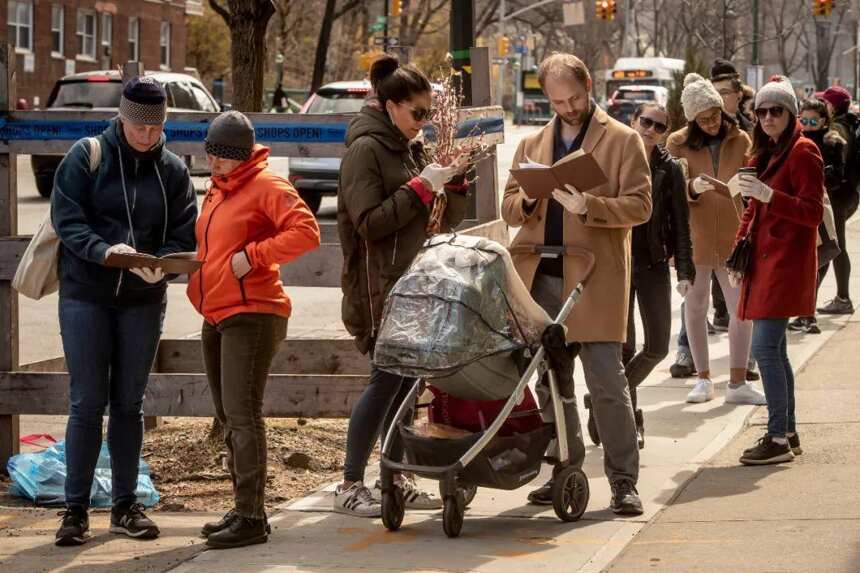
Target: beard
(575, 118)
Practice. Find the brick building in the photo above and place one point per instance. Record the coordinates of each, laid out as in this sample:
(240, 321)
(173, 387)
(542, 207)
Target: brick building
(53, 38)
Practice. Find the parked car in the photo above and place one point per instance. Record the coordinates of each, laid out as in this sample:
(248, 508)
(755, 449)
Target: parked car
(315, 177)
(101, 91)
(627, 98)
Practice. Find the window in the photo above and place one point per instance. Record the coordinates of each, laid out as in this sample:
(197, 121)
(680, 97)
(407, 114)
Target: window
(20, 25)
(204, 102)
(87, 34)
(133, 37)
(57, 26)
(180, 95)
(107, 30)
(165, 45)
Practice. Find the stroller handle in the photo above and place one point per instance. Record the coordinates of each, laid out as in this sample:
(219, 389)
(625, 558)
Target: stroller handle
(559, 250)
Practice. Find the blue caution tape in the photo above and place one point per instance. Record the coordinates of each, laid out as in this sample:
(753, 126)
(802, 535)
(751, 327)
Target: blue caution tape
(44, 130)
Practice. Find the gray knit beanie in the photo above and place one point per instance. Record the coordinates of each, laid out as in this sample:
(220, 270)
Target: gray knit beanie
(143, 101)
(230, 136)
(699, 95)
(779, 91)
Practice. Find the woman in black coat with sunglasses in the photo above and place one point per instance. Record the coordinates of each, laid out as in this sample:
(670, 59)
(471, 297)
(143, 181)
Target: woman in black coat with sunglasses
(664, 236)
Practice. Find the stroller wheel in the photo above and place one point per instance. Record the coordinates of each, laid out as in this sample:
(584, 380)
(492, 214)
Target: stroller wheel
(393, 508)
(469, 492)
(452, 515)
(570, 494)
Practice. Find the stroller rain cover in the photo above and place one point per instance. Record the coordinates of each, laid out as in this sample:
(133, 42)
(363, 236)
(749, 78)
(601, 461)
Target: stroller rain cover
(459, 301)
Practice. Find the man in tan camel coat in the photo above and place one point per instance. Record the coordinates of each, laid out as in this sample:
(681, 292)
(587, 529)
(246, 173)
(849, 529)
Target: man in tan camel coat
(599, 221)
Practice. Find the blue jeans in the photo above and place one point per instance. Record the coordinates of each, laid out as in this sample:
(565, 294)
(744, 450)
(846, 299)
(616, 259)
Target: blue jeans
(770, 350)
(109, 353)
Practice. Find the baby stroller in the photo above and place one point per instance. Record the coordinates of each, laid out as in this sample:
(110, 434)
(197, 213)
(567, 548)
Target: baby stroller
(460, 319)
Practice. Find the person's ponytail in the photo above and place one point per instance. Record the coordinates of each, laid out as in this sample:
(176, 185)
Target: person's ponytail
(392, 81)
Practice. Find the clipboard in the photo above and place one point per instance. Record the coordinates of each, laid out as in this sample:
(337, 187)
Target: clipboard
(579, 169)
(173, 264)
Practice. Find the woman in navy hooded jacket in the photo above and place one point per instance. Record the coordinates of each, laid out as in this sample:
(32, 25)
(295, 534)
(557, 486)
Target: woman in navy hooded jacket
(138, 199)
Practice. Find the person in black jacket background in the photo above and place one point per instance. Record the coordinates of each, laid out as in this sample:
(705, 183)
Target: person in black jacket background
(666, 235)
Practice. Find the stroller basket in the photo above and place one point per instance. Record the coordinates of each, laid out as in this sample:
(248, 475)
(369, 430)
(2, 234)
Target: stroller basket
(506, 463)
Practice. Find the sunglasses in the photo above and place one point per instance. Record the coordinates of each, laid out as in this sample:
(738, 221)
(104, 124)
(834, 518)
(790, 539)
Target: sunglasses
(809, 122)
(419, 113)
(647, 123)
(775, 112)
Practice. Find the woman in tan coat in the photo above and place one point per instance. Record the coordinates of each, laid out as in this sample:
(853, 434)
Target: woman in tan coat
(712, 144)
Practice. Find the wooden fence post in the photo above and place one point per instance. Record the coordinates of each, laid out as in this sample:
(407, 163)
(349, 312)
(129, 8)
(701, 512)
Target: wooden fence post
(487, 188)
(9, 424)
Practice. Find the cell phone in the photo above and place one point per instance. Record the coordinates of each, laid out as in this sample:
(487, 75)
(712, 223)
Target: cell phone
(747, 171)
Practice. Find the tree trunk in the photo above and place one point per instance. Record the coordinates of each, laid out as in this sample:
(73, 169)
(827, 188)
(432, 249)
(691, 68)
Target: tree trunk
(247, 20)
(322, 45)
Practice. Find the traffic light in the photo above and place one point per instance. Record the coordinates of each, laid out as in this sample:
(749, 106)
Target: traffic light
(611, 9)
(822, 7)
(504, 44)
(601, 8)
(396, 7)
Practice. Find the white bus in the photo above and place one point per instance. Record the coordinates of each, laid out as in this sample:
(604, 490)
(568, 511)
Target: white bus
(642, 71)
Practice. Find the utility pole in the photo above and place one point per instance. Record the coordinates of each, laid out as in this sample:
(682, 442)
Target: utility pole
(755, 32)
(385, 27)
(500, 90)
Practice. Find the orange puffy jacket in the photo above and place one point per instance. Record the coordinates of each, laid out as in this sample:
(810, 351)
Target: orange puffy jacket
(255, 210)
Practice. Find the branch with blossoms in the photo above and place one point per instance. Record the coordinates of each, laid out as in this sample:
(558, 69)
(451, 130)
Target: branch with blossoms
(446, 148)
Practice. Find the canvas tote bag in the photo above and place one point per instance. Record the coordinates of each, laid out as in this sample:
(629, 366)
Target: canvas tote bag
(36, 275)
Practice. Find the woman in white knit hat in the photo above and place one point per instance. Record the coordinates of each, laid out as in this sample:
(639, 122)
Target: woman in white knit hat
(785, 206)
(713, 145)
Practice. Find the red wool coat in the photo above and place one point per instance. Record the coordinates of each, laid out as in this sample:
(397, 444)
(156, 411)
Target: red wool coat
(781, 280)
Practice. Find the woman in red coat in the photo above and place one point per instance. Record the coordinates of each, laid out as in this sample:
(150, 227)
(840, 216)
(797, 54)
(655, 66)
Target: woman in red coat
(781, 219)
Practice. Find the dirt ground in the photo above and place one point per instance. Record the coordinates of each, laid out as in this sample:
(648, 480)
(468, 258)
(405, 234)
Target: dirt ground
(190, 474)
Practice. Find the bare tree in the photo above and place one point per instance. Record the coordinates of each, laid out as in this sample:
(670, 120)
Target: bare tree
(825, 31)
(330, 15)
(247, 20)
(784, 23)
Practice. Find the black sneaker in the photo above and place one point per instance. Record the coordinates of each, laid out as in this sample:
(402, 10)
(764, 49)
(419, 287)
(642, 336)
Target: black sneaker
(213, 526)
(542, 495)
(683, 366)
(812, 327)
(765, 452)
(592, 421)
(721, 322)
(711, 329)
(799, 324)
(640, 427)
(625, 499)
(130, 520)
(240, 532)
(794, 444)
(838, 305)
(75, 527)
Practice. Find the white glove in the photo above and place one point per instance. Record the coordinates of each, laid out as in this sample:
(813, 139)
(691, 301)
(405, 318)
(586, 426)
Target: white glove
(240, 264)
(683, 287)
(151, 276)
(752, 188)
(119, 248)
(736, 279)
(436, 176)
(572, 200)
(734, 185)
(700, 185)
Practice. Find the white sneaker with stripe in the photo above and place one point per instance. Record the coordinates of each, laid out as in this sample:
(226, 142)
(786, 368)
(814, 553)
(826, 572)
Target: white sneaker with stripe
(357, 501)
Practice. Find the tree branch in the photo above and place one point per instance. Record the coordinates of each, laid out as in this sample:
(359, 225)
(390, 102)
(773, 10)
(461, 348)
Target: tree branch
(221, 11)
(348, 7)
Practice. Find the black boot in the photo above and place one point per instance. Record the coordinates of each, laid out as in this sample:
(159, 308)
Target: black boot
(592, 421)
(215, 526)
(241, 531)
(640, 427)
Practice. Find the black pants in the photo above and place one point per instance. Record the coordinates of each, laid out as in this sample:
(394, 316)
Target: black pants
(238, 353)
(842, 263)
(372, 414)
(651, 287)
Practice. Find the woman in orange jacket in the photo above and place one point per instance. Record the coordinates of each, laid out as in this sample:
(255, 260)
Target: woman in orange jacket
(252, 221)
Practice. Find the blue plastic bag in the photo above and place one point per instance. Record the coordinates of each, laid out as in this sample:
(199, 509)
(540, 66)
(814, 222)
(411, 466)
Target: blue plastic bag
(41, 477)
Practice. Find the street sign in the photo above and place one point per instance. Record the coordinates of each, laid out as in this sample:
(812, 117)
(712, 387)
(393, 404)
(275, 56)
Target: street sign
(381, 19)
(377, 27)
(380, 41)
(574, 13)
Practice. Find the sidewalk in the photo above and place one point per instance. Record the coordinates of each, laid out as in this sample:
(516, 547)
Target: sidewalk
(802, 516)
